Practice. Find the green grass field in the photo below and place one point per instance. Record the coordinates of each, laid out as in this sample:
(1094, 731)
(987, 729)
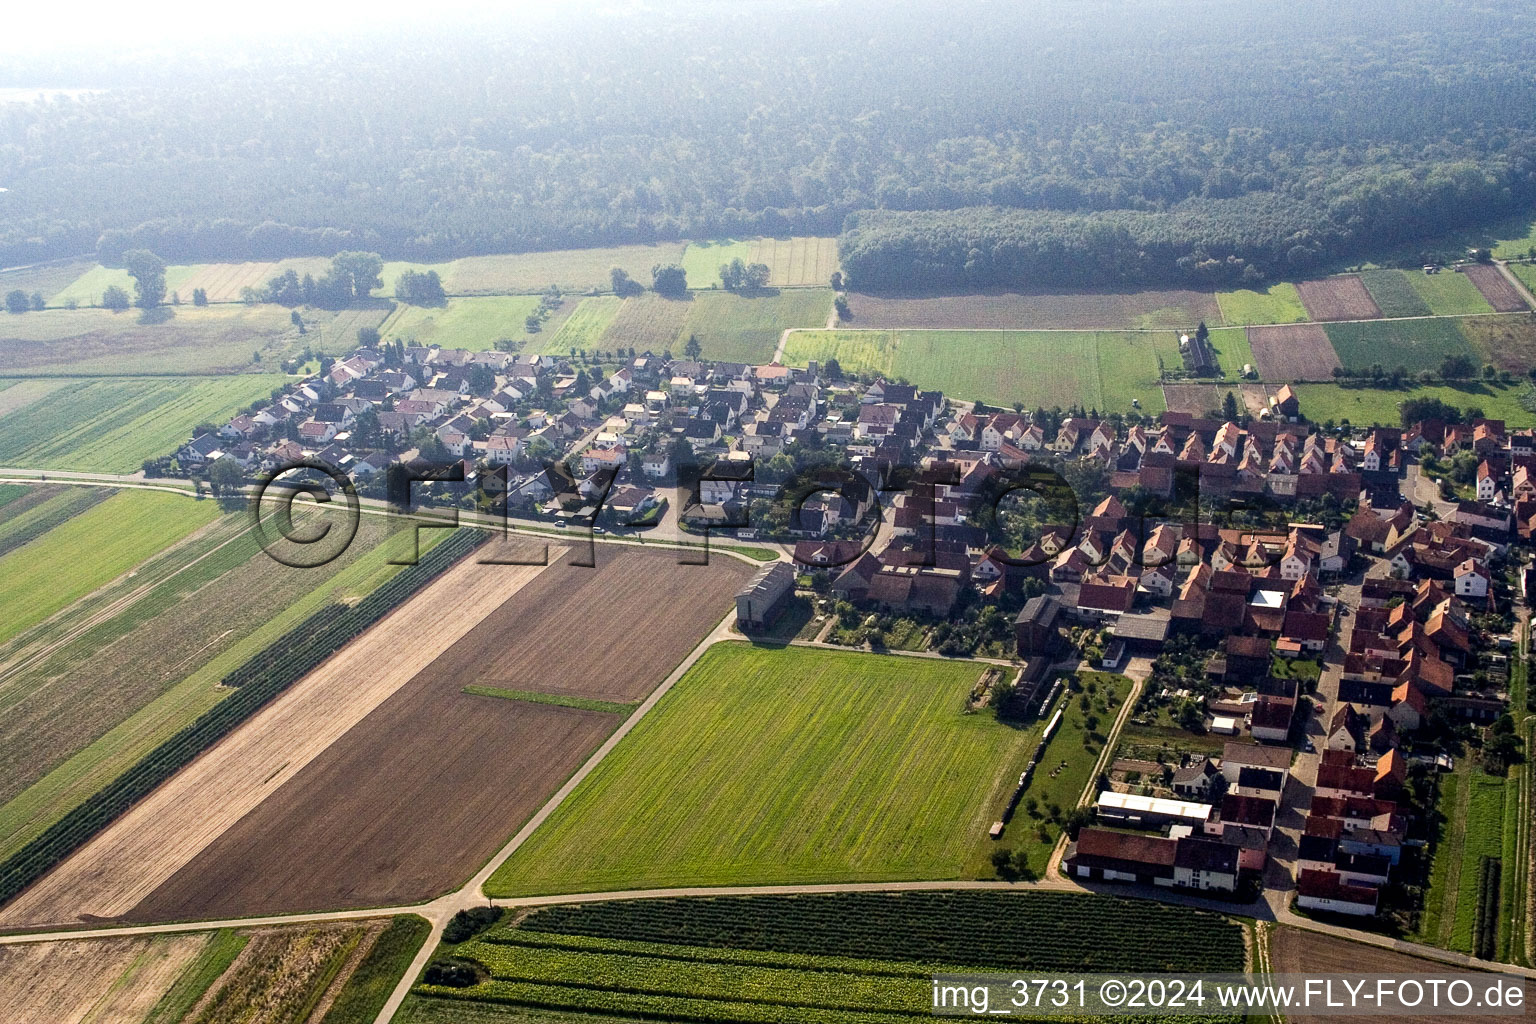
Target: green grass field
(1484, 827)
(476, 324)
(770, 765)
(701, 260)
(1321, 402)
(112, 426)
(1526, 272)
(1447, 294)
(1232, 351)
(89, 549)
(583, 328)
(1035, 828)
(1395, 293)
(86, 289)
(1415, 344)
(48, 278)
(1104, 370)
(575, 270)
(746, 328)
(369, 987)
(1278, 304)
(184, 339)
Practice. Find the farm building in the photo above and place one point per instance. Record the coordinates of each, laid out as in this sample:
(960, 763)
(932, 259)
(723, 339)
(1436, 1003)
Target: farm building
(1037, 627)
(759, 603)
(1137, 811)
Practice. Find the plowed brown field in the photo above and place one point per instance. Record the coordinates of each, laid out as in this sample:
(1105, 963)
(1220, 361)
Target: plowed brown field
(137, 853)
(424, 790)
(1296, 951)
(1501, 295)
(1292, 352)
(1338, 298)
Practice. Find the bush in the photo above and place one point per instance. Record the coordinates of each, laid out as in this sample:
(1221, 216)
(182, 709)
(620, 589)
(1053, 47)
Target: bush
(454, 973)
(466, 924)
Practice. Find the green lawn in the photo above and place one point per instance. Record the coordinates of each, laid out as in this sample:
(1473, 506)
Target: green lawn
(1232, 350)
(1104, 370)
(1036, 825)
(701, 260)
(583, 328)
(1395, 293)
(81, 554)
(1484, 826)
(1526, 272)
(781, 765)
(1447, 294)
(113, 425)
(476, 324)
(1522, 238)
(1320, 402)
(1278, 304)
(1414, 344)
(746, 328)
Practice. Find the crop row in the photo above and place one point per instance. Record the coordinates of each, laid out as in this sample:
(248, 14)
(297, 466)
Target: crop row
(714, 954)
(1028, 930)
(576, 998)
(704, 979)
(1485, 930)
(282, 663)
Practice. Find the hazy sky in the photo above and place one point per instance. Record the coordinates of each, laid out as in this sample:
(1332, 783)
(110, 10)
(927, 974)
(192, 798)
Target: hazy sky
(87, 24)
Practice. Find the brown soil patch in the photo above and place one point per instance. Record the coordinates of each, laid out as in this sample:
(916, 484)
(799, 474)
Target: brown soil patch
(1024, 311)
(1338, 298)
(1501, 295)
(1293, 352)
(1508, 342)
(137, 853)
(427, 788)
(1193, 399)
(1300, 951)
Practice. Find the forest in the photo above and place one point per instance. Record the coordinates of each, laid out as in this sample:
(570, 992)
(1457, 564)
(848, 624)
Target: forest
(963, 143)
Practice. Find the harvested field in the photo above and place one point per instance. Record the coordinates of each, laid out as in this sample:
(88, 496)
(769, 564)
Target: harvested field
(799, 262)
(105, 981)
(1019, 310)
(1292, 352)
(1194, 399)
(1496, 288)
(224, 281)
(572, 270)
(1338, 298)
(186, 339)
(1508, 342)
(139, 851)
(1299, 951)
(648, 323)
(434, 781)
(48, 278)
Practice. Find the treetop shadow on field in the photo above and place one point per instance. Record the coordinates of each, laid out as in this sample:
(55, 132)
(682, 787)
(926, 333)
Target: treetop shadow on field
(157, 315)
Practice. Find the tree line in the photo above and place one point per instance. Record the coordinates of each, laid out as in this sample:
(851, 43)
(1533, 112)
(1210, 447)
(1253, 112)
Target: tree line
(966, 143)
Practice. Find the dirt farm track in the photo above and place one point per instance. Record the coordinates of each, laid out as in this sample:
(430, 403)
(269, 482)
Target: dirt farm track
(424, 790)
